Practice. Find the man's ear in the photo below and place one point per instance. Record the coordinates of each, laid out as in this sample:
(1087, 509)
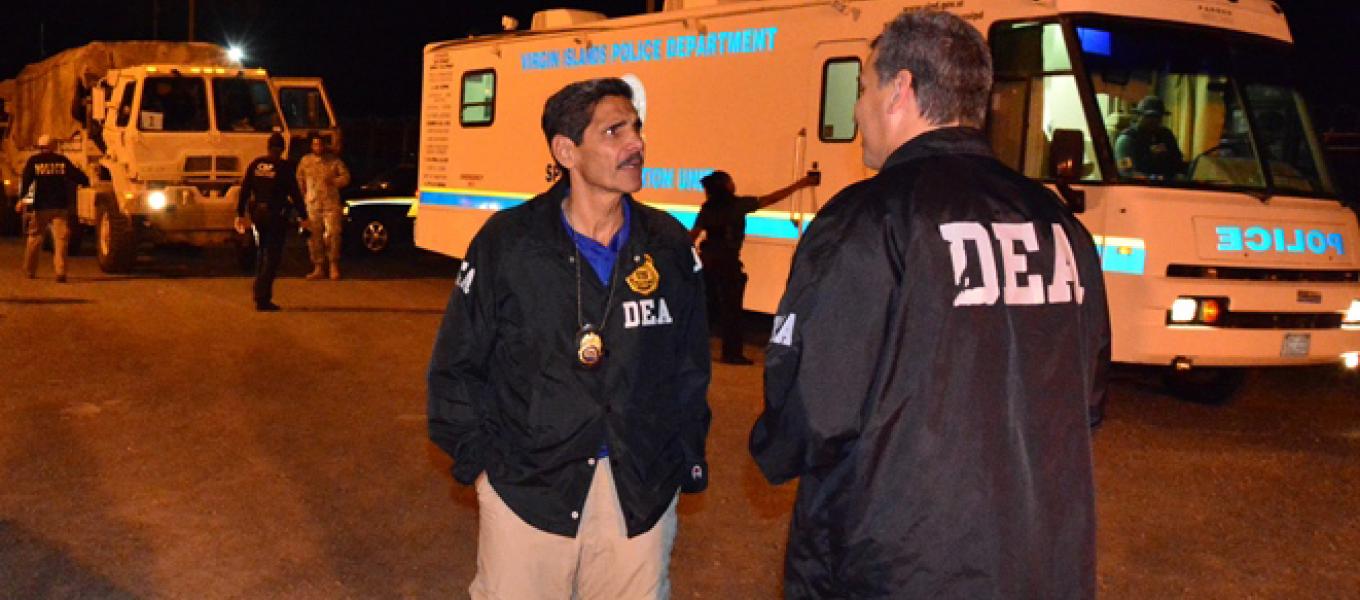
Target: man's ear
(902, 92)
(563, 150)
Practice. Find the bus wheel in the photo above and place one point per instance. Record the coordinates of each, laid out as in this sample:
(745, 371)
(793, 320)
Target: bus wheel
(1205, 385)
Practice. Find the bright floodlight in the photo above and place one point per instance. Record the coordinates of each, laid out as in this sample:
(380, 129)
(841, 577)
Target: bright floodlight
(236, 54)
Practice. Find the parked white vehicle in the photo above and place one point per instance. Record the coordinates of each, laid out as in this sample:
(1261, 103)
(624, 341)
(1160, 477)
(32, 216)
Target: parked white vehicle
(1243, 256)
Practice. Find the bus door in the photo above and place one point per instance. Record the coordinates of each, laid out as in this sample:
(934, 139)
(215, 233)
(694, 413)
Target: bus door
(830, 143)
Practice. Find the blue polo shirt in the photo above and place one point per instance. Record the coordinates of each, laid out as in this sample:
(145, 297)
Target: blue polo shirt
(601, 259)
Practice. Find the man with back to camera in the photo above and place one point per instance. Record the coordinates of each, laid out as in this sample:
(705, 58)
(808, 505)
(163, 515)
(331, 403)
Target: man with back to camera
(569, 376)
(53, 178)
(939, 355)
(268, 191)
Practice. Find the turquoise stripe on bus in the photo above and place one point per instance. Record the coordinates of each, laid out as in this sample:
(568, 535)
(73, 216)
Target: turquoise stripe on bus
(757, 225)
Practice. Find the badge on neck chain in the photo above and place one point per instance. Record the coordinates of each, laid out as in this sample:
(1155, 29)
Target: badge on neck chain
(589, 347)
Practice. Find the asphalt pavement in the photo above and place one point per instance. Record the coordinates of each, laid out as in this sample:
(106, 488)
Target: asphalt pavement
(160, 439)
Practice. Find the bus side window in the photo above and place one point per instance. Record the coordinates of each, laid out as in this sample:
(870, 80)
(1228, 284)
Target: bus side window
(478, 105)
(840, 90)
(1035, 94)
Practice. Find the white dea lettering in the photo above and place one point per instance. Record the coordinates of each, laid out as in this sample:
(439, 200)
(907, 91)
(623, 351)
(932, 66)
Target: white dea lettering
(646, 313)
(1015, 241)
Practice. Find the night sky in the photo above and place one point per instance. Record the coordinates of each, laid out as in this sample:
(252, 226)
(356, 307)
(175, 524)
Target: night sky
(370, 53)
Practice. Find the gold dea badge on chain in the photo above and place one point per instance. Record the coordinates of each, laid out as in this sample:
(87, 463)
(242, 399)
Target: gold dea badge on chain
(645, 278)
(589, 347)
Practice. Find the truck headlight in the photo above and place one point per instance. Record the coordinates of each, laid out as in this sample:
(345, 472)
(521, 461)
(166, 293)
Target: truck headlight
(156, 200)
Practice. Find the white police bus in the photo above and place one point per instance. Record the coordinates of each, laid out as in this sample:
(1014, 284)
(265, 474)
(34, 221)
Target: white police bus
(1240, 255)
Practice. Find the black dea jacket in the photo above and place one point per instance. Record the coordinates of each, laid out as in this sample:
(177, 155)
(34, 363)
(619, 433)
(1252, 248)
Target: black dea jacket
(506, 392)
(937, 360)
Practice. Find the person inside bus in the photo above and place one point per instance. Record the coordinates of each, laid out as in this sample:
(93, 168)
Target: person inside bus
(1148, 150)
(722, 220)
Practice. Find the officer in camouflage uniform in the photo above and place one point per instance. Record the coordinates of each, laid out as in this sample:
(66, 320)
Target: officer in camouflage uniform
(320, 176)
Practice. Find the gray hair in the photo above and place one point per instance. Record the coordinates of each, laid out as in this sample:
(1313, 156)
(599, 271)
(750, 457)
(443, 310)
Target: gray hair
(950, 64)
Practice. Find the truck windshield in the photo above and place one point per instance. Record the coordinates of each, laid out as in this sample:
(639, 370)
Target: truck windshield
(304, 108)
(1195, 108)
(244, 105)
(173, 104)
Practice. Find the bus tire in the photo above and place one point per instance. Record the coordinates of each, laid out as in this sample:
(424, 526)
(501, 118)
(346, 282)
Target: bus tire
(1205, 385)
(115, 241)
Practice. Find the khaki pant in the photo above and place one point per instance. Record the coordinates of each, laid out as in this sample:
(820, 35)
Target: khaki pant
(36, 222)
(324, 244)
(516, 561)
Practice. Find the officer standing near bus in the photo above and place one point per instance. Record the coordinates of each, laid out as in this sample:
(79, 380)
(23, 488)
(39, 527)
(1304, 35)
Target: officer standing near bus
(53, 178)
(569, 378)
(722, 221)
(938, 356)
(267, 193)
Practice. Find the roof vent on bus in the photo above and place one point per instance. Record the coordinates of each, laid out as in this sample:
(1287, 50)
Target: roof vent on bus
(559, 18)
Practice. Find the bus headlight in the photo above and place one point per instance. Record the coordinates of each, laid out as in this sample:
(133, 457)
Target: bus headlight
(1197, 311)
(1183, 310)
(156, 200)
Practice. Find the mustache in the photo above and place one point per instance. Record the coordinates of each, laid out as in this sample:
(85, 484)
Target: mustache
(634, 159)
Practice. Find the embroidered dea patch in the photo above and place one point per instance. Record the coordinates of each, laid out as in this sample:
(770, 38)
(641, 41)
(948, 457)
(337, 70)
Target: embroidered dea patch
(645, 278)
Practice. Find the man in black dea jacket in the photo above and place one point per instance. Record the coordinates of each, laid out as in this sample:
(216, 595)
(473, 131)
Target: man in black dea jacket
(938, 356)
(569, 376)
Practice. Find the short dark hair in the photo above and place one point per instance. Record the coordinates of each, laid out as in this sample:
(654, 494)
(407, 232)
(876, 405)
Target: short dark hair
(950, 64)
(569, 111)
(314, 136)
(275, 141)
(715, 183)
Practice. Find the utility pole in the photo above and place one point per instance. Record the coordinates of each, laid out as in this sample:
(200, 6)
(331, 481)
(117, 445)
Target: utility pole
(191, 20)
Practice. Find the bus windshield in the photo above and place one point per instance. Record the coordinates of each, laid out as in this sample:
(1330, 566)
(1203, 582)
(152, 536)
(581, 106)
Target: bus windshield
(1193, 108)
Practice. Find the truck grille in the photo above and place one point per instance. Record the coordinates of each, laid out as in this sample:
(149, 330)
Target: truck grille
(1258, 274)
(222, 165)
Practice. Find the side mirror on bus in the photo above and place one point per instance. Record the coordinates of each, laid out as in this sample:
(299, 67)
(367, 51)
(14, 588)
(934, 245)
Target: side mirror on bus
(1066, 157)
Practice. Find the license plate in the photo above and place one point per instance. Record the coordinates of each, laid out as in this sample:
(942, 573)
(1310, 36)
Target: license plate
(1295, 345)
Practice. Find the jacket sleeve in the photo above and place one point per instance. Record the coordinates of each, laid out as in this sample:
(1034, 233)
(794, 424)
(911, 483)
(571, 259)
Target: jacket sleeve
(75, 174)
(1097, 333)
(692, 381)
(294, 192)
(459, 391)
(821, 358)
(341, 174)
(27, 178)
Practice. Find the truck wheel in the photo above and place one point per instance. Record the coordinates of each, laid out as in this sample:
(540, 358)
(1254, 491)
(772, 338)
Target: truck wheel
(1205, 385)
(115, 242)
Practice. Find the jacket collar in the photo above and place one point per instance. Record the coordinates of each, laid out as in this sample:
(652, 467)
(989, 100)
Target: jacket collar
(938, 142)
(549, 231)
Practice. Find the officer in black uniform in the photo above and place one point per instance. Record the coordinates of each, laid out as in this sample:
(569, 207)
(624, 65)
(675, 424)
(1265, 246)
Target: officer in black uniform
(267, 193)
(53, 178)
(723, 221)
(1147, 150)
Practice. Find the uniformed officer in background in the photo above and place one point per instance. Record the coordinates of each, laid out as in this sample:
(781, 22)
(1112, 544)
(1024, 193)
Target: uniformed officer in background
(268, 191)
(320, 176)
(722, 220)
(53, 178)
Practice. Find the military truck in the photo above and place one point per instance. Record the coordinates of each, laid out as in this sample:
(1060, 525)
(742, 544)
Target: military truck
(163, 129)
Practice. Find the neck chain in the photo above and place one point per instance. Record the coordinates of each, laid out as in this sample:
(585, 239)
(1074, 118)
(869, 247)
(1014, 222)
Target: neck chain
(589, 344)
